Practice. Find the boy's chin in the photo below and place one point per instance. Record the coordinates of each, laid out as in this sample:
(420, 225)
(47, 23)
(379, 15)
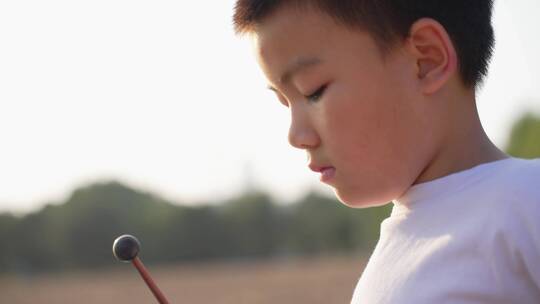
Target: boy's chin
(357, 200)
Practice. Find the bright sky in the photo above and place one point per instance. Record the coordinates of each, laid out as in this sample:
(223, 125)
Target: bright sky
(162, 95)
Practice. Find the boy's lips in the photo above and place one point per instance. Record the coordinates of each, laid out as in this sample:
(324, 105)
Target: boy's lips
(327, 172)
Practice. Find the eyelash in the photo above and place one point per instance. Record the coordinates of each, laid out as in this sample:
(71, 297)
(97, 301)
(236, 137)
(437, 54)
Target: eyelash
(316, 96)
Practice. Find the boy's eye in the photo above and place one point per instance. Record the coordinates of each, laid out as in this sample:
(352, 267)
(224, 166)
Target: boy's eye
(316, 95)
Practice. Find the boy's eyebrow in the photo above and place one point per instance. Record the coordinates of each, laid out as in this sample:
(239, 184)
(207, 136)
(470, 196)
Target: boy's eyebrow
(294, 67)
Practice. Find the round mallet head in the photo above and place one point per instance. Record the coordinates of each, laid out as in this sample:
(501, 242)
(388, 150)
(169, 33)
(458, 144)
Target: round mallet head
(126, 247)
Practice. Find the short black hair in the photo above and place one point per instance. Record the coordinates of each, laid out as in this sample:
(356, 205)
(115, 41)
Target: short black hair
(468, 23)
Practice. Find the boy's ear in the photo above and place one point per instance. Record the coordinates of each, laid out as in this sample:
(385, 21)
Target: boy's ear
(433, 52)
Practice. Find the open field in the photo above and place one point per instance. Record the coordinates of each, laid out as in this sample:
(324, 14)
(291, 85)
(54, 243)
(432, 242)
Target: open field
(320, 280)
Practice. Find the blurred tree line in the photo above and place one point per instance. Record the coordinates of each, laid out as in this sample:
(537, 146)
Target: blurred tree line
(79, 232)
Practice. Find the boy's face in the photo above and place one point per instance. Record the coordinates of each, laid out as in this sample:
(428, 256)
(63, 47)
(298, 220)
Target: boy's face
(359, 118)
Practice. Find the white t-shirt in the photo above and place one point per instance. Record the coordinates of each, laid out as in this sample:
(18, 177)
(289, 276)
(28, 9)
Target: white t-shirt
(469, 237)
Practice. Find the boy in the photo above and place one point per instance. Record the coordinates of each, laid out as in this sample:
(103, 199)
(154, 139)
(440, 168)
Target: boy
(382, 99)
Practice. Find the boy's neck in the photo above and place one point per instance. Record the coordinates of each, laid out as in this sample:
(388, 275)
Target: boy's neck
(465, 143)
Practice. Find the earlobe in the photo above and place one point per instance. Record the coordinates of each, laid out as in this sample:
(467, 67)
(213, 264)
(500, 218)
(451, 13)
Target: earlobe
(434, 54)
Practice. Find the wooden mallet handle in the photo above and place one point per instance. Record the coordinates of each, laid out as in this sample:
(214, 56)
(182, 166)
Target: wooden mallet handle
(149, 281)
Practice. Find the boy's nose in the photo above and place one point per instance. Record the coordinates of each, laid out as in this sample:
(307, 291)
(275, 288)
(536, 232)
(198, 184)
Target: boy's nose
(301, 133)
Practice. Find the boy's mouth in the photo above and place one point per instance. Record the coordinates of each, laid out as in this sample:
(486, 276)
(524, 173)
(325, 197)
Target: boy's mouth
(327, 172)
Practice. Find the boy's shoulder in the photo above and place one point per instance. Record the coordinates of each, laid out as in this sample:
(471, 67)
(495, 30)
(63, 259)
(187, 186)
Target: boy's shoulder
(511, 179)
(515, 228)
(502, 195)
(513, 194)
(519, 180)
